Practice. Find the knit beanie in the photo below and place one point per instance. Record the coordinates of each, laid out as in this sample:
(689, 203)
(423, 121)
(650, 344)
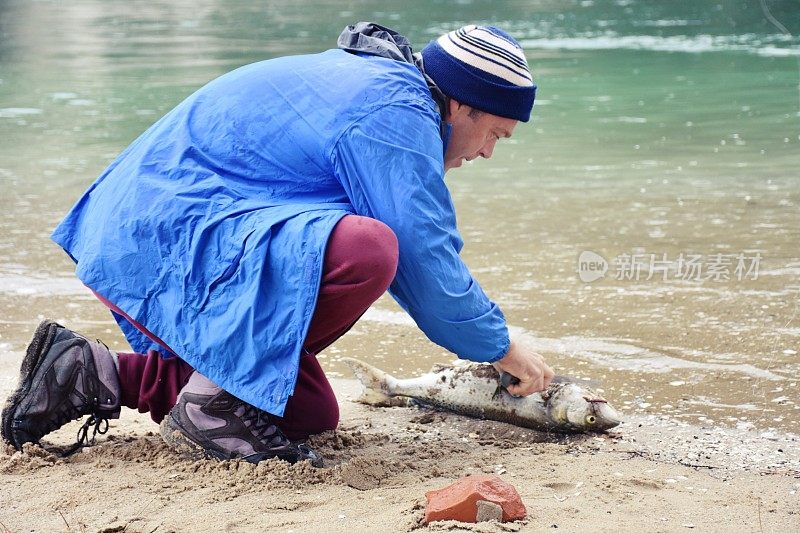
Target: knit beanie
(483, 67)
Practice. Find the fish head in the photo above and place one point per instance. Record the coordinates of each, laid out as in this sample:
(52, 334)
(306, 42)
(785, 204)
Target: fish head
(578, 409)
(601, 416)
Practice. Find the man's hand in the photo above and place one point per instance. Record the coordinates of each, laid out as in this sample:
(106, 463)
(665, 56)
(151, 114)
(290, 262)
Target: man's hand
(526, 365)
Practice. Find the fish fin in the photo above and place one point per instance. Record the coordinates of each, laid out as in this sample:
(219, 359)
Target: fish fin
(377, 399)
(497, 392)
(374, 380)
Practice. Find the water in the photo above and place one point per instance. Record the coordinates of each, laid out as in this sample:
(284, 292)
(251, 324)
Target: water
(661, 131)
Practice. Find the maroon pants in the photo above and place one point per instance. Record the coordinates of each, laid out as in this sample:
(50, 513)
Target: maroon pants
(360, 263)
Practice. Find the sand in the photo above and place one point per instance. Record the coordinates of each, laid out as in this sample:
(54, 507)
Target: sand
(649, 474)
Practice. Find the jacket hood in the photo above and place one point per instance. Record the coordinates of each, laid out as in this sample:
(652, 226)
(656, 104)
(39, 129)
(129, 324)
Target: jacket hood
(374, 39)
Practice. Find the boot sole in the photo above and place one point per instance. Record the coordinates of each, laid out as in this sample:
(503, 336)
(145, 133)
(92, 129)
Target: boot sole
(175, 437)
(39, 346)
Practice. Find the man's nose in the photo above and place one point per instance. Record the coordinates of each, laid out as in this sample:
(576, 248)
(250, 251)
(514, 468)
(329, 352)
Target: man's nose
(488, 149)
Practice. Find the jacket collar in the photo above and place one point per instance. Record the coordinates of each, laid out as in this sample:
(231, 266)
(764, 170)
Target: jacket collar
(374, 39)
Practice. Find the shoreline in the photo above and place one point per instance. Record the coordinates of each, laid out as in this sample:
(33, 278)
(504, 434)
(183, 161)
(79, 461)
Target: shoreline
(651, 473)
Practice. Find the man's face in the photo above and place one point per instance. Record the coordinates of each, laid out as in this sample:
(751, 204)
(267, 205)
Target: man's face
(473, 135)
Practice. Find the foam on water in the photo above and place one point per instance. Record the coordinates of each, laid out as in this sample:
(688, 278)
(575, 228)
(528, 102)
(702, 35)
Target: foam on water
(14, 112)
(9, 368)
(707, 402)
(786, 271)
(700, 291)
(619, 355)
(30, 285)
(624, 119)
(667, 23)
(61, 95)
(384, 316)
(694, 44)
(606, 352)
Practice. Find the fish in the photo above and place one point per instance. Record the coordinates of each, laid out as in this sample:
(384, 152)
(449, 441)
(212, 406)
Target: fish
(474, 390)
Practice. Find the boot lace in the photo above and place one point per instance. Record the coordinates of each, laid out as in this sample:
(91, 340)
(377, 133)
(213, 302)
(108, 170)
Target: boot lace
(97, 422)
(259, 423)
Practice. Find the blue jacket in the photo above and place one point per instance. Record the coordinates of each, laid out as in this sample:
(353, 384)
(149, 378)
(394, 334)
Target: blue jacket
(210, 228)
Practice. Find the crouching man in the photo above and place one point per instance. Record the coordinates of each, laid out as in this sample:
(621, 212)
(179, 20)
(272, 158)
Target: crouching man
(251, 226)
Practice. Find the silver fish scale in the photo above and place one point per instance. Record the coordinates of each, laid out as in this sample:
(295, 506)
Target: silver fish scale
(472, 389)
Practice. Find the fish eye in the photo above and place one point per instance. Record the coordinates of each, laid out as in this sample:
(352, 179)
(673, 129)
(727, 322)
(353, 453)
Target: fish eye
(591, 419)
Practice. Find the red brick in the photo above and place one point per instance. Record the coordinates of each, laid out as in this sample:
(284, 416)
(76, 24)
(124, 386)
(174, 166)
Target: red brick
(459, 500)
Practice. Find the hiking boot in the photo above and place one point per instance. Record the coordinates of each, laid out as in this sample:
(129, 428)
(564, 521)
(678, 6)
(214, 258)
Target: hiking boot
(64, 376)
(210, 422)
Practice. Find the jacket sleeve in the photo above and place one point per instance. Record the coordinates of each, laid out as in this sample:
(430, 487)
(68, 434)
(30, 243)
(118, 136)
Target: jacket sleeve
(390, 165)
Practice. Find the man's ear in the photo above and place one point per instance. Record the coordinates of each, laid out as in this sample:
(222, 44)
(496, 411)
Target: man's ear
(454, 108)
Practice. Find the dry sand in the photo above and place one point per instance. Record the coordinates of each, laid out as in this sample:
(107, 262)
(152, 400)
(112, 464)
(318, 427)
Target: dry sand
(649, 474)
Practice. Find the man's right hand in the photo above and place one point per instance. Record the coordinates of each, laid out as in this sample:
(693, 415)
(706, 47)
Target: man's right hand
(528, 367)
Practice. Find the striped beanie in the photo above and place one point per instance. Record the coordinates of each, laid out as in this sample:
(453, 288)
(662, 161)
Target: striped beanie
(483, 67)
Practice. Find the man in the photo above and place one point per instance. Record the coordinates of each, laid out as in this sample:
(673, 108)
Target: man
(251, 227)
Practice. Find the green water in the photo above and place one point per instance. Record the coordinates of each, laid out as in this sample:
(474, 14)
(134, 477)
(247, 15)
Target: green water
(660, 128)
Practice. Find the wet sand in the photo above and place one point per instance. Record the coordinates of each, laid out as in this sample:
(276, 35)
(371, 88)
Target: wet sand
(649, 474)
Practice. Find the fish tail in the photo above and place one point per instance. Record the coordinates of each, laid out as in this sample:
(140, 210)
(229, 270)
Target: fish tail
(373, 379)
